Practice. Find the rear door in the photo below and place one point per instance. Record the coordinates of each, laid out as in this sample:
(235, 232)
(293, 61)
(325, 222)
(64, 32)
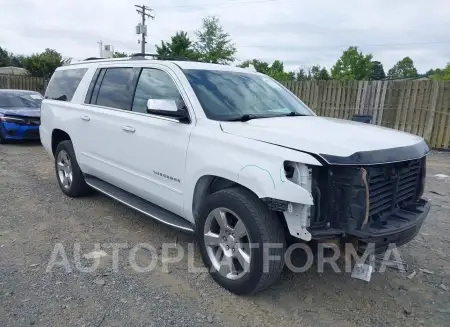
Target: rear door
(108, 102)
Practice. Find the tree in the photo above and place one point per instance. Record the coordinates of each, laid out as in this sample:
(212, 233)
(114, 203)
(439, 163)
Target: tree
(5, 59)
(315, 72)
(377, 72)
(442, 74)
(403, 69)
(318, 73)
(213, 43)
(118, 54)
(179, 46)
(323, 75)
(352, 65)
(301, 75)
(260, 66)
(44, 64)
(276, 70)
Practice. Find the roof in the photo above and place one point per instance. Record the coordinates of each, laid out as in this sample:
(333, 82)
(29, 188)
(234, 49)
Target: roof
(11, 70)
(183, 64)
(208, 66)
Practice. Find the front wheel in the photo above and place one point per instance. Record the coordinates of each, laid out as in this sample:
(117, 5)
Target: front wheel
(2, 139)
(241, 242)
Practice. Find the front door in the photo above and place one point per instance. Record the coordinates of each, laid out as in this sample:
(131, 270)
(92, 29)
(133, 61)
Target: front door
(156, 145)
(142, 153)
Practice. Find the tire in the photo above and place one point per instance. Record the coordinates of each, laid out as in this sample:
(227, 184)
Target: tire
(77, 186)
(2, 140)
(262, 226)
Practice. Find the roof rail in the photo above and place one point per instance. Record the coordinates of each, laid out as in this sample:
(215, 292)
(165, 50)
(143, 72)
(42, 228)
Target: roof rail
(159, 57)
(93, 58)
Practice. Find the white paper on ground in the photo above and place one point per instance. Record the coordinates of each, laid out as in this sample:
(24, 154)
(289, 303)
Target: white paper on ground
(362, 271)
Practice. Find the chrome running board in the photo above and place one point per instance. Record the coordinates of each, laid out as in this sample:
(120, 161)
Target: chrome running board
(130, 200)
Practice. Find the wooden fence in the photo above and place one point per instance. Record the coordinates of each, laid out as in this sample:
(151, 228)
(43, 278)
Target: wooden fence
(418, 107)
(38, 84)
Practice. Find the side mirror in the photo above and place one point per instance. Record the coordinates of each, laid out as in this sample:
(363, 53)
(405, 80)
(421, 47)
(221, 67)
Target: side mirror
(166, 107)
(161, 105)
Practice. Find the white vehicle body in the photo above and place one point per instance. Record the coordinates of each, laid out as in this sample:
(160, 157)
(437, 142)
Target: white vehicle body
(164, 161)
(233, 156)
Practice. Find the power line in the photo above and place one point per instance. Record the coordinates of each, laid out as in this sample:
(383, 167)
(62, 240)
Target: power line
(145, 12)
(229, 3)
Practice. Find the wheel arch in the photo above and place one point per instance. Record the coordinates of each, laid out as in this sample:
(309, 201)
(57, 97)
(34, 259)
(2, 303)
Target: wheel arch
(209, 184)
(58, 135)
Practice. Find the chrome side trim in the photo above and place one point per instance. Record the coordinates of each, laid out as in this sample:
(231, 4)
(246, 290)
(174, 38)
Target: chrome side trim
(139, 210)
(145, 177)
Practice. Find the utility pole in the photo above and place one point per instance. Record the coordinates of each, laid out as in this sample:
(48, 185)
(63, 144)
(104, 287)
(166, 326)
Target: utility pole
(145, 12)
(100, 43)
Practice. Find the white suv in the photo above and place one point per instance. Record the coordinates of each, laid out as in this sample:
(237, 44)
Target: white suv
(232, 156)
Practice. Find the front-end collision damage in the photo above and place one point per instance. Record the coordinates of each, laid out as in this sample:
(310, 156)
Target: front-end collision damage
(297, 214)
(289, 193)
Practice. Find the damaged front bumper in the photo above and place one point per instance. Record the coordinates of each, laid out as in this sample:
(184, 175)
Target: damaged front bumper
(375, 205)
(401, 227)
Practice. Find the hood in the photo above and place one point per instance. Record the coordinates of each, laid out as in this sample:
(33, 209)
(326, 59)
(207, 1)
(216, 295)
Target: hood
(23, 112)
(334, 140)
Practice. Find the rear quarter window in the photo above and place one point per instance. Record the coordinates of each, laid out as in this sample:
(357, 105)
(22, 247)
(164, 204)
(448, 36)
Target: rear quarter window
(64, 83)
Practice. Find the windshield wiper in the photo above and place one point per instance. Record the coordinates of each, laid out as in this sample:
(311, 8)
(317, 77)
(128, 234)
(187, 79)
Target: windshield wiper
(246, 117)
(293, 113)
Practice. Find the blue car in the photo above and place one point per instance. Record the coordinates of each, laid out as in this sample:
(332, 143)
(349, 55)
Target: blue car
(20, 113)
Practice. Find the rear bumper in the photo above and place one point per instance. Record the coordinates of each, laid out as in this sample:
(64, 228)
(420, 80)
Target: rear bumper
(12, 131)
(401, 226)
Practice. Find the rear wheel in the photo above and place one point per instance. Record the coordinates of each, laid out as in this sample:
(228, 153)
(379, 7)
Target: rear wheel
(242, 243)
(68, 173)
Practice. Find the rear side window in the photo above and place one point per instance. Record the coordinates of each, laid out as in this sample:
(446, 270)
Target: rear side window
(116, 88)
(64, 83)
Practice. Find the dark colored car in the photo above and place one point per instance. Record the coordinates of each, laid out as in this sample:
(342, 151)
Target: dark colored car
(20, 113)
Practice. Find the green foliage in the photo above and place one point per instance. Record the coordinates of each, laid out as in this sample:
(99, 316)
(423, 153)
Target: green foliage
(43, 64)
(403, 69)
(276, 70)
(441, 74)
(260, 66)
(213, 43)
(5, 59)
(17, 60)
(302, 75)
(377, 72)
(118, 54)
(352, 65)
(179, 46)
(38, 64)
(315, 72)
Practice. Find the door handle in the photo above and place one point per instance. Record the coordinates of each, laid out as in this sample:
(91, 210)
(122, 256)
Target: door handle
(85, 118)
(129, 129)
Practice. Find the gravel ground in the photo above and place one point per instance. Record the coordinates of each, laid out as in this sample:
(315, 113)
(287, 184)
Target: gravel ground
(35, 216)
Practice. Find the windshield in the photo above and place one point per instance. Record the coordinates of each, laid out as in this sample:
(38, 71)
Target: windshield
(228, 95)
(20, 100)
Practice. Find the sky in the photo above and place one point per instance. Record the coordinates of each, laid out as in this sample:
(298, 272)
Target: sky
(301, 33)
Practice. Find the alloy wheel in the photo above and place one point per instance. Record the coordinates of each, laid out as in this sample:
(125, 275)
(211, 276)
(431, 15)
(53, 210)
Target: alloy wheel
(227, 243)
(64, 167)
